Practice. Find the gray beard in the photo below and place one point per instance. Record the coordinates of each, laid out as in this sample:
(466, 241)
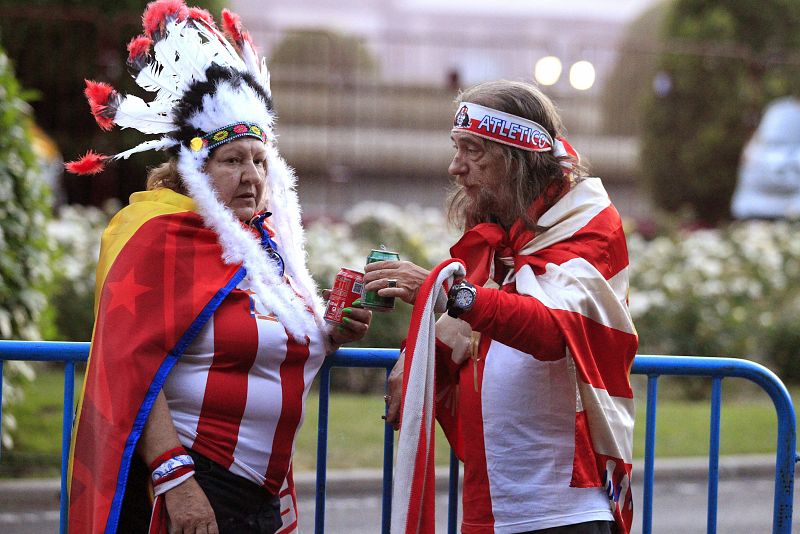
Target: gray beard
(467, 212)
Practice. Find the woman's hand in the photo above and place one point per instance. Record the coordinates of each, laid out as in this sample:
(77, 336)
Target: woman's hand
(406, 279)
(355, 322)
(394, 393)
(188, 509)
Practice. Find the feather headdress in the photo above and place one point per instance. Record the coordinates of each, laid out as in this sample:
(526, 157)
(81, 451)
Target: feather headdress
(203, 83)
(173, 55)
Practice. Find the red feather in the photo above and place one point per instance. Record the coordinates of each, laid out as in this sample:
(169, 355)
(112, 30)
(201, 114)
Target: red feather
(98, 94)
(157, 12)
(232, 25)
(199, 13)
(90, 163)
(139, 46)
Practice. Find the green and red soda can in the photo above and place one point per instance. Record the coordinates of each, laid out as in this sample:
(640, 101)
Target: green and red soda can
(371, 300)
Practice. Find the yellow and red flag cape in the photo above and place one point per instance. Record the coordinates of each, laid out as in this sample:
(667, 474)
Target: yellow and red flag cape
(159, 279)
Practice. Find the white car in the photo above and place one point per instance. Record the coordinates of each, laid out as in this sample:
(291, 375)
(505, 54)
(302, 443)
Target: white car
(769, 172)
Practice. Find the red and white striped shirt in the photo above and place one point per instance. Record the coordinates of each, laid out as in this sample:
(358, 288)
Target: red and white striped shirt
(237, 394)
(541, 412)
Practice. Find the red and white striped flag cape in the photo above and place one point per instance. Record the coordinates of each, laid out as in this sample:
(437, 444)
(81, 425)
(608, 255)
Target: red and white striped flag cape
(413, 486)
(578, 269)
(149, 251)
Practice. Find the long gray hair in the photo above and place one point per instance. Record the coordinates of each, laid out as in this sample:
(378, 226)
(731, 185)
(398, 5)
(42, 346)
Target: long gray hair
(530, 174)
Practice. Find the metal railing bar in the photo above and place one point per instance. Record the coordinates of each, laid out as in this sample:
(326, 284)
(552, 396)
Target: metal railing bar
(713, 455)
(652, 366)
(322, 450)
(353, 357)
(649, 453)
(787, 423)
(66, 438)
(43, 351)
(357, 357)
(452, 504)
(388, 463)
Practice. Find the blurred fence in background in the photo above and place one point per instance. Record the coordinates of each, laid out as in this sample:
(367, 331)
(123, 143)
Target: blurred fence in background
(360, 118)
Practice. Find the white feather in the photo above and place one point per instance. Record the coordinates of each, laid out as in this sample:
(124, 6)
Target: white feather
(156, 78)
(221, 38)
(151, 118)
(229, 105)
(265, 77)
(251, 60)
(286, 219)
(155, 144)
(181, 55)
(187, 50)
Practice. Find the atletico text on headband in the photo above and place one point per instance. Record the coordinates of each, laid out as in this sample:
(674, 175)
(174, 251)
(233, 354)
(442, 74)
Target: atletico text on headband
(511, 130)
(502, 127)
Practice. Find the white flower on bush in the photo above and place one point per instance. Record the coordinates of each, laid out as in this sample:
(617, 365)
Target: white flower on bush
(739, 280)
(334, 244)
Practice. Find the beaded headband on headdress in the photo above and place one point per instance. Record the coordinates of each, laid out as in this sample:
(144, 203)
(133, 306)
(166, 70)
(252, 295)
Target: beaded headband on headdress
(183, 58)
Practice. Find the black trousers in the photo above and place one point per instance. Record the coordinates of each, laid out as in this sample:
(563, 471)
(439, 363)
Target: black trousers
(590, 527)
(240, 506)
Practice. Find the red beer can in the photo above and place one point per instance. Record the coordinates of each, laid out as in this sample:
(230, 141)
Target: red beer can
(346, 288)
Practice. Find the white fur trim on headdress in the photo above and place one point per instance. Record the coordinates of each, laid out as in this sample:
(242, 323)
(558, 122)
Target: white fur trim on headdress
(229, 105)
(241, 246)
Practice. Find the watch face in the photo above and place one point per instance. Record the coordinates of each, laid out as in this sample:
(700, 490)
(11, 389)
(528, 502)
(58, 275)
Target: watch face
(463, 298)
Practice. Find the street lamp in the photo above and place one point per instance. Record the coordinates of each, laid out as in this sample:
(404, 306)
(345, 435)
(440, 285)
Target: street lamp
(581, 75)
(547, 70)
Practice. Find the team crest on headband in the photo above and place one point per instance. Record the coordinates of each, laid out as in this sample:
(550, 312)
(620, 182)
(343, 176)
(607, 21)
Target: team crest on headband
(462, 118)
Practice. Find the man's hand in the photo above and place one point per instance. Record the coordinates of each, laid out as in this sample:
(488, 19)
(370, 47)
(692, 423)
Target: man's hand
(188, 510)
(394, 394)
(406, 279)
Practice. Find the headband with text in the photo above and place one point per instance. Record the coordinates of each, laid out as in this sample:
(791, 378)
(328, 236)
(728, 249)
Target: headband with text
(502, 127)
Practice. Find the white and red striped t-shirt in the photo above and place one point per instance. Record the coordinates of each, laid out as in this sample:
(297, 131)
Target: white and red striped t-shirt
(517, 422)
(237, 394)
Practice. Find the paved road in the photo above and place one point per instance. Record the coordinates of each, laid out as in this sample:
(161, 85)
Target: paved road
(680, 507)
(745, 507)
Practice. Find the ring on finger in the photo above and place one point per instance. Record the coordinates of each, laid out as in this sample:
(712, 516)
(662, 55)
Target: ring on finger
(391, 282)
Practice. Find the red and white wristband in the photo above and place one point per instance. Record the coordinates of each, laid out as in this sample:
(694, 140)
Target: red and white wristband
(170, 469)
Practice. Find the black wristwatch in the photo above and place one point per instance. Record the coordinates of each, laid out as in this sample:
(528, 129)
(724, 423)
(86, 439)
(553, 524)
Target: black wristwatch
(460, 298)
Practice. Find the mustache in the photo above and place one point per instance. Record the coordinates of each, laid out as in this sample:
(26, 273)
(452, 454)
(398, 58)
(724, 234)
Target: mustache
(466, 210)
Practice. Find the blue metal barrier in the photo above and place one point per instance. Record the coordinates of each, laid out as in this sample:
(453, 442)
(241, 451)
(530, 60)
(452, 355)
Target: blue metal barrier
(652, 366)
(717, 369)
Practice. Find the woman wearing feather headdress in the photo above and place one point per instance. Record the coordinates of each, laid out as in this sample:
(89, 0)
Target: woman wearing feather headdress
(208, 327)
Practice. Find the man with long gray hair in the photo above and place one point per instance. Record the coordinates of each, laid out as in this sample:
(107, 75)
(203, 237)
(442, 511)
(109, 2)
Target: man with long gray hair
(532, 358)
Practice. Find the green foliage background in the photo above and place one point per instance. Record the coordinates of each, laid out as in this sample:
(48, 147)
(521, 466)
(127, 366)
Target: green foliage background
(631, 80)
(25, 255)
(725, 60)
(24, 215)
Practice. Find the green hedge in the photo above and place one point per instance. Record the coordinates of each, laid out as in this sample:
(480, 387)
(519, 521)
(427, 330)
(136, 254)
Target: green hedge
(25, 253)
(721, 63)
